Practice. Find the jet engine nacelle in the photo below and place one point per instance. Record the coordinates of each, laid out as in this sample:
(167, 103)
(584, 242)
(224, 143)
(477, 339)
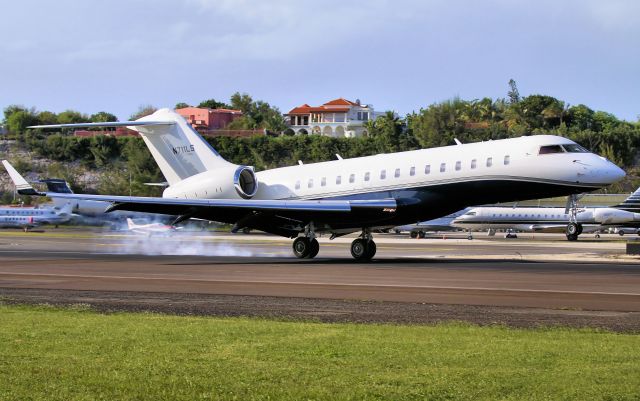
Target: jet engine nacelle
(231, 182)
(607, 215)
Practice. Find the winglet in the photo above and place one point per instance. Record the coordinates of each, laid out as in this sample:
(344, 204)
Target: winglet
(23, 187)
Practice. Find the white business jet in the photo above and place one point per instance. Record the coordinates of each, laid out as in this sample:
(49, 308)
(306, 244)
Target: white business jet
(350, 195)
(29, 217)
(552, 219)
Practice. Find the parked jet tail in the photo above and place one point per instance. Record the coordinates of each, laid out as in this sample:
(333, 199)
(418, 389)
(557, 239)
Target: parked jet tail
(56, 185)
(177, 148)
(632, 203)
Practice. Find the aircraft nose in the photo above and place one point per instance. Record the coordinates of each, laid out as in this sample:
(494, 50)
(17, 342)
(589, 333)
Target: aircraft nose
(608, 173)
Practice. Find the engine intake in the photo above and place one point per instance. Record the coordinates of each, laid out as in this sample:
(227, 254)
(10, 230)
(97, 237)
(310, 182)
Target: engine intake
(245, 182)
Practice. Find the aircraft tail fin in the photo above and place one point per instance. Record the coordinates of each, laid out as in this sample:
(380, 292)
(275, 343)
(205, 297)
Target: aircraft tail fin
(130, 223)
(66, 210)
(56, 185)
(632, 203)
(177, 148)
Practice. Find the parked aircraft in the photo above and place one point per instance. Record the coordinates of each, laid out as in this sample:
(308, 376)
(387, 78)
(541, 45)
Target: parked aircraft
(150, 228)
(350, 195)
(28, 217)
(547, 219)
(420, 229)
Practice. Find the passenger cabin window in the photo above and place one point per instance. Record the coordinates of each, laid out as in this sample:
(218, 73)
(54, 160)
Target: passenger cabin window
(474, 163)
(427, 169)
(397, 173)
(323, 181)
(352, 178)
(489, 161)
(443, 167)
(339, 180)
(310, 184)
(458, 165)
(366, 176)
(507, 160)
(383, 174)
(548, 149)
(412, 171)
(297, 184)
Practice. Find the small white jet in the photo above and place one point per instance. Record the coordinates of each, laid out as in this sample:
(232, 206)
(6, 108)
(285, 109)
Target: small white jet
(343, 196)
(151, 228)
(420, 229)
(29, 217)
(550, 219)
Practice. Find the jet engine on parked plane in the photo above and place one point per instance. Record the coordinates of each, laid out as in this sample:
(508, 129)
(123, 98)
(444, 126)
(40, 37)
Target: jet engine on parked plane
(608, 215)
(232, 182)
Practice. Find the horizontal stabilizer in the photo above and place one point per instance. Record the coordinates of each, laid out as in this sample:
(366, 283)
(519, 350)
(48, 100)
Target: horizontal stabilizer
(106, 124)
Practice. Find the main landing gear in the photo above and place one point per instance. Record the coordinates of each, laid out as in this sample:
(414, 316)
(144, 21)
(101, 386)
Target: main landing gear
(363, 248)
(307, 247)
(573, 231)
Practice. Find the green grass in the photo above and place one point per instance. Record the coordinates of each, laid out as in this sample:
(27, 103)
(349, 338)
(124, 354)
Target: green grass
(73, 354)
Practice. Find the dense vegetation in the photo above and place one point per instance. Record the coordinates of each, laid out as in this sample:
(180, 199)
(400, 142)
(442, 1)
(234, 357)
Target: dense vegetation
(130, 164)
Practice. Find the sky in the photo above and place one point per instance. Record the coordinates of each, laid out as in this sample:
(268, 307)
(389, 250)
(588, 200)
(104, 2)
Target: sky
(400, 55)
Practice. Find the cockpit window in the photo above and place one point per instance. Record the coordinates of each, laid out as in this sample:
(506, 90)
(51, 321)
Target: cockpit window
(470, 214)
(575, 148)
(544, 150)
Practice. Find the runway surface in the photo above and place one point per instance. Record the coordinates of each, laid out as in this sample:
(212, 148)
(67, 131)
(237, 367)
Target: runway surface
(480, 273)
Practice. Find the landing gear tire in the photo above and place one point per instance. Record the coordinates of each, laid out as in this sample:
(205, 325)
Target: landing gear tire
(315, 248)
(572, 237)
(421, 234)
(573, 229)
(413, 234)
(363, 250)
(469, 237)
(302, 247)
(621, 232)
(371, 250)
(597, 235)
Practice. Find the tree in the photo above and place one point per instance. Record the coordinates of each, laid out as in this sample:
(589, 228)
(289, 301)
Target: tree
(390, 134)
(19, 120)
(103, 117)
(47, 117)
(143, 110)
(580, 117)
(14, 108)
(242, 102)
(213, 104)
(541, 111)
(256, 114)
(181, 105)
(72, 117)
(513, 94)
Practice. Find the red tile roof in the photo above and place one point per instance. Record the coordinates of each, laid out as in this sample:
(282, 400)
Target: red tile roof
(340, 102)
(331, 106)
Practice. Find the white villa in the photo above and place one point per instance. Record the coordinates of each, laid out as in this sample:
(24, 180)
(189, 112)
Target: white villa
(337, 118)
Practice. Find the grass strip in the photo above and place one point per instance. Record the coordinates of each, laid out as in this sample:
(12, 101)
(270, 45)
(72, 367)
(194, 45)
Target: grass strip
(76, 354)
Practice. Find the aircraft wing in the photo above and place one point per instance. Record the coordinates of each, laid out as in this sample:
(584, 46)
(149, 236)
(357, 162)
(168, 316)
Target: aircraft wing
(282, 217)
